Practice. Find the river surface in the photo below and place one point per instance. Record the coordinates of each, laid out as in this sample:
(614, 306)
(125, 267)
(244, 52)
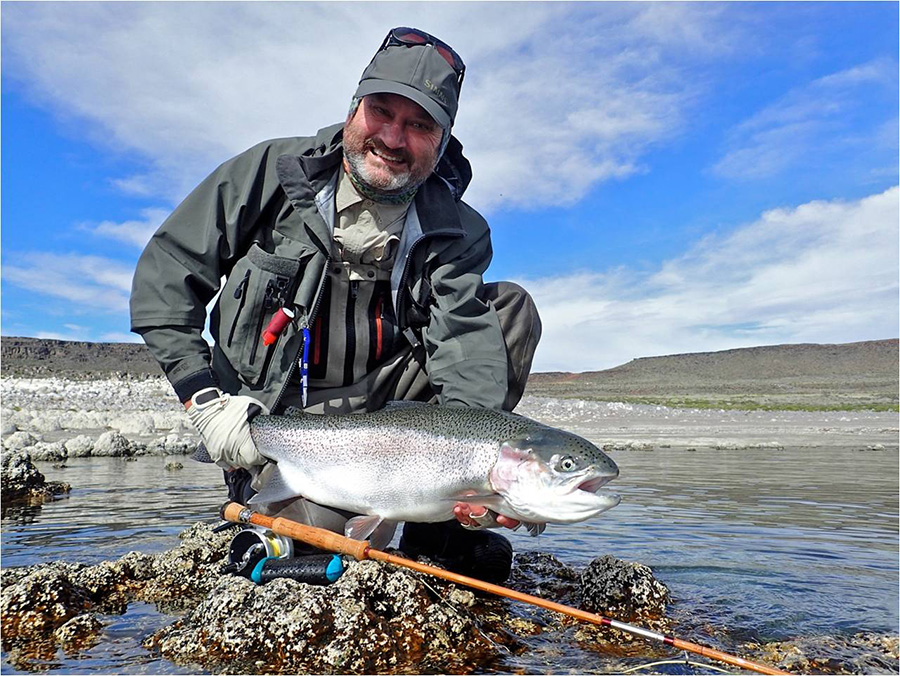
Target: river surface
(772, 544)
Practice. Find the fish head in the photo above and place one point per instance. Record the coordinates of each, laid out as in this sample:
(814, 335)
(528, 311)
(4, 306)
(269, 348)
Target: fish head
(549, 475)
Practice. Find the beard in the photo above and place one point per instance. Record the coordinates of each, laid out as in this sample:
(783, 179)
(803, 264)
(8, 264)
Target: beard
(379, 181)
(382, 180)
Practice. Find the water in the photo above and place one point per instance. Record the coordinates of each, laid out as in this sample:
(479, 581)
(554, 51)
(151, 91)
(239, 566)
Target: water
(770, 544)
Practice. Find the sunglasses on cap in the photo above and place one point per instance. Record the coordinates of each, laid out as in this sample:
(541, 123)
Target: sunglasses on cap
(408, 37)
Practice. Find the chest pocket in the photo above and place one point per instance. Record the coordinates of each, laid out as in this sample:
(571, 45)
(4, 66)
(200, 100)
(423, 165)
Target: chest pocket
(257, 287)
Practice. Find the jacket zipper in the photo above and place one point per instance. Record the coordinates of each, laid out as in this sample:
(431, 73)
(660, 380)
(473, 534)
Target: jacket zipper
(405, 273)
(239, 292)
(305, 324)
(350, 352)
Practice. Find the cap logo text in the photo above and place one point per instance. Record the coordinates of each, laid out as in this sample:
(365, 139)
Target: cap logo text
(437, 91)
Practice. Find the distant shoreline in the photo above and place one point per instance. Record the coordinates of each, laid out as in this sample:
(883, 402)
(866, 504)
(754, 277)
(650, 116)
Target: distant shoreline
(810, 377)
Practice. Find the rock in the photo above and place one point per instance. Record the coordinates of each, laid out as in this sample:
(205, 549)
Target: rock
(80, 447)
(141, 424)
(20, 480)
(49, 451)
(37, 605)
(46, 423)
(112, 444)
(79, 633)
(374, 619)
(19, 440)
(862, 653)
(542, 574)
(623, 590)
(7, 426)
(173, 466)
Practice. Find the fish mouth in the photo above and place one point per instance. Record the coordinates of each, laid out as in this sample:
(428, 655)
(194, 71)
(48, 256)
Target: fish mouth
(593, 485)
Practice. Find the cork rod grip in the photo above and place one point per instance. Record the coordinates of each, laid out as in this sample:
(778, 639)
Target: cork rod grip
(317, 537)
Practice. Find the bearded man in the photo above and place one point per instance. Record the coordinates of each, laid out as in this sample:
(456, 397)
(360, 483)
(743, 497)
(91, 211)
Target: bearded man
(351, 247)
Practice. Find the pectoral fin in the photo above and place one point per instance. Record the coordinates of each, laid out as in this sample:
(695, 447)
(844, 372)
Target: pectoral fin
(373, 528)
(275, 490)
(535, 529)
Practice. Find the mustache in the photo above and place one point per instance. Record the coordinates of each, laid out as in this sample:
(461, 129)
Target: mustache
(380, 147)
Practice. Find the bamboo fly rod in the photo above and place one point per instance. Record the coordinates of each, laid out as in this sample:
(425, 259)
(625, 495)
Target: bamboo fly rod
(360, 550)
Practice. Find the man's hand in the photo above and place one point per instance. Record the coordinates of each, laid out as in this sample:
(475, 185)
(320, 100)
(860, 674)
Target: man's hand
(478, 516)
(223, 421)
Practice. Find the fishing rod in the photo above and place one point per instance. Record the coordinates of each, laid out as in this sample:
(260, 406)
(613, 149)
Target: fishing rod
(360, 550)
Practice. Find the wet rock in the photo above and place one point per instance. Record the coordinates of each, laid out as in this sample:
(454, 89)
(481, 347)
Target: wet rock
(185, 574)
(79, 633)
(174, 466)
(374, 619)
(862, 653)
(542, 574)
(624, 590)
(18, 441)
(112, 444)
(80, 447)
(41, 602)
(20, 480)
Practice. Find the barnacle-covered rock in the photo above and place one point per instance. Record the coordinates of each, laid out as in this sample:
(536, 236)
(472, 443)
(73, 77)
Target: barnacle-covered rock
(20, 480)
(623, 590)
(374, 619)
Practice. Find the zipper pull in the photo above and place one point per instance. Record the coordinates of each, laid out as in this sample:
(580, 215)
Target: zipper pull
(304, 367)
(269, 299)
(354, 289)
(239, 291)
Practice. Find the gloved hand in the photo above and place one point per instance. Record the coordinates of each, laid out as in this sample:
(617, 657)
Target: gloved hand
(223, 421)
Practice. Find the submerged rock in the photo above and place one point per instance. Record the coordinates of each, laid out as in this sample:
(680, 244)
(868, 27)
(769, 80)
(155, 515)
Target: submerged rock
(862, 653)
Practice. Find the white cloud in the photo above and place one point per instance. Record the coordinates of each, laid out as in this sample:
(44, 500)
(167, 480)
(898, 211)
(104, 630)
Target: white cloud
(816, 120)
(118, 337)
(136, 232)
(89, 283)
(822, 272)
(558, 97)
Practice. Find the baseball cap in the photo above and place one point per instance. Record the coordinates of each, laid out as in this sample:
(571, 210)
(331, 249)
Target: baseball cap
(419, 71)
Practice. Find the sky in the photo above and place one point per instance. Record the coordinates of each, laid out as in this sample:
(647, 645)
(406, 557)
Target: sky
(662, 177)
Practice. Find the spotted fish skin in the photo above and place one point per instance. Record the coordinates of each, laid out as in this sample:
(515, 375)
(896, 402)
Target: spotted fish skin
(413, 462)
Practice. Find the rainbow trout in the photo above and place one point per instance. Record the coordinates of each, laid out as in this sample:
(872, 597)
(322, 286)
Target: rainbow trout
(414, 462)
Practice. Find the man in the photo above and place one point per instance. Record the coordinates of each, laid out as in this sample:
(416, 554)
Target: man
(351, 248)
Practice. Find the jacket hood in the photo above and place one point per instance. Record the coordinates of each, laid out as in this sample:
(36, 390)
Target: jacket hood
(453, 168)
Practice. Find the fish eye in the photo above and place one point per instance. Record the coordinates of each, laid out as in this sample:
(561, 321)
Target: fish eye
(568, 463)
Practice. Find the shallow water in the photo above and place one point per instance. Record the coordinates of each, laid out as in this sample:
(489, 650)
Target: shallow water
(769, 544)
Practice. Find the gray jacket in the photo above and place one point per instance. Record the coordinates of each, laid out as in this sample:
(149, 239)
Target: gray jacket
(264, 221)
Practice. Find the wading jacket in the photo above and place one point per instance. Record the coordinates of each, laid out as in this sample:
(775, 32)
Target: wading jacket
(263, 221)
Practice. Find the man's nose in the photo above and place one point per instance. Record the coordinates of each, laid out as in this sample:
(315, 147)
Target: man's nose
(393, 135)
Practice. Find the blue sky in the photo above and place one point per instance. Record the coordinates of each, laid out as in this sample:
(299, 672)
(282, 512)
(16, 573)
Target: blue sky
(663, 177)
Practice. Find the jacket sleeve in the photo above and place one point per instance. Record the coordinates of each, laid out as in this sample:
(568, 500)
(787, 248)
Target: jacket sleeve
(179, 272)
(466, 354)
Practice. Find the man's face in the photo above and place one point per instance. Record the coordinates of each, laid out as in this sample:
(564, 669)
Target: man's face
(391, 142)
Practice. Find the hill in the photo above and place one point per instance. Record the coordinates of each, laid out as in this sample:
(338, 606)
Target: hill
(843, 376)
(73, 359)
